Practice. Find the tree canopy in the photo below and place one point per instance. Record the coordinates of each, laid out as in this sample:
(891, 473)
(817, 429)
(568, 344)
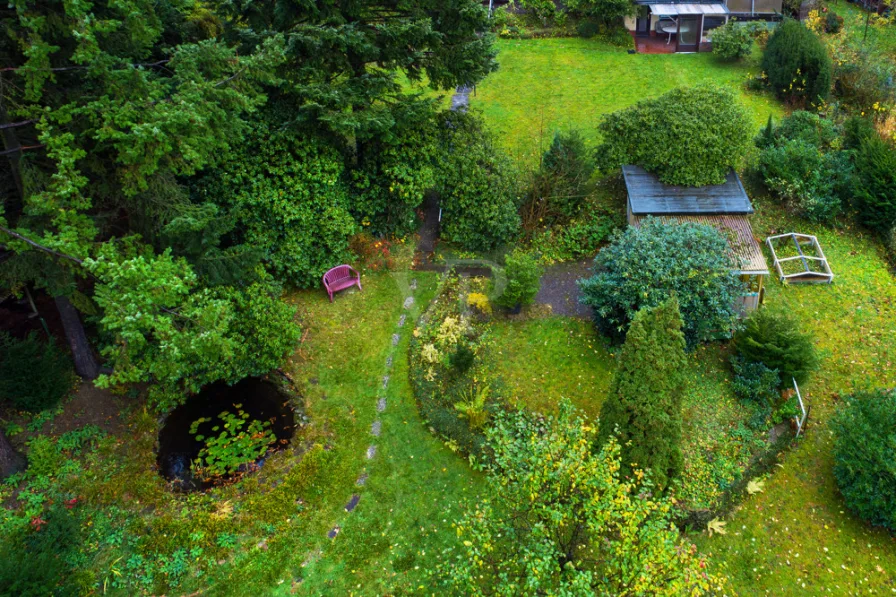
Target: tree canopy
(173, 164)
(562, 520)
(689, 136)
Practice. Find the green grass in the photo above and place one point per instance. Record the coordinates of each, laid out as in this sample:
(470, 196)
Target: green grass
(543, 360)
(798, 531)
(550, 84)
(880, 38)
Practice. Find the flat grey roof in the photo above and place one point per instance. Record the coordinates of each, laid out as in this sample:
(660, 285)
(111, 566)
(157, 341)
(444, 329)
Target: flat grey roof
(647, 195)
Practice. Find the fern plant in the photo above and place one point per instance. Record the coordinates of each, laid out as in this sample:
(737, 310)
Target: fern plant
(473, 405)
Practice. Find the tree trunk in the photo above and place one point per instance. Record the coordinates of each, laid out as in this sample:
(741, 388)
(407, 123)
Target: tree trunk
(10, 460)
(85, 365)
(11, 141)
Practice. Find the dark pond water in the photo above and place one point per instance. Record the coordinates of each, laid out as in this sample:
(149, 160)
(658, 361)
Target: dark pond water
(262, 400)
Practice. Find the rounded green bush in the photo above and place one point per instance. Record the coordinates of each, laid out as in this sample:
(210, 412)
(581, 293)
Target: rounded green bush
(709, 135)
(774, 339)
(731, 41)
(865, 455)
(523, 279)
(34, 375)
(797, 64)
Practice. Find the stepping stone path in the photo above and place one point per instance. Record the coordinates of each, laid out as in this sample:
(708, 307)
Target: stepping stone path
(376, 428)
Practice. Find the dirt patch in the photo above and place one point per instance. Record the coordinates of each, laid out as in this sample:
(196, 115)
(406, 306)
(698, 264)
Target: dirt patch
(89, 406)
(560, 291)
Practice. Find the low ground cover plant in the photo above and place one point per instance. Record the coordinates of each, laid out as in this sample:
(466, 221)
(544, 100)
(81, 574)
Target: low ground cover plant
(454, 394)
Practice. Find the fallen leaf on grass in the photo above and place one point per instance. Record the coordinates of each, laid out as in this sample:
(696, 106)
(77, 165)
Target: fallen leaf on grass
(755, 487)
(716, 526)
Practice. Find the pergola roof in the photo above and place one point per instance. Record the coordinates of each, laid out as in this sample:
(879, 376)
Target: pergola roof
(745, 251)
(673, 9)
(647, 195)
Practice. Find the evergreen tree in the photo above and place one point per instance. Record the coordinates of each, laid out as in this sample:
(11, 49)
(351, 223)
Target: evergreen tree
(643, 410)
(876, 192)
(797, 64)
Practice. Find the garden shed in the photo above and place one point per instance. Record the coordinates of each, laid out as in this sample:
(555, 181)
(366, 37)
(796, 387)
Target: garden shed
(725, 207)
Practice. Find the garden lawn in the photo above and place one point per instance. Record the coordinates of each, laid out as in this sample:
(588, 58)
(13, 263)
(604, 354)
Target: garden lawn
(541, 361)
(880, 37)
(796, 537)
(544, 85)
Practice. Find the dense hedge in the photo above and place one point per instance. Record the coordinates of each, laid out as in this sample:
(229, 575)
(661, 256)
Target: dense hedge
(478, 186)
(876, 190)
(290, 199)
(643, 266)
(797, 64)
(865, 455)
(689, 136)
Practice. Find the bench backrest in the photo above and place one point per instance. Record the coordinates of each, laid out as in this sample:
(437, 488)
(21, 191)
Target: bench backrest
(339, 272)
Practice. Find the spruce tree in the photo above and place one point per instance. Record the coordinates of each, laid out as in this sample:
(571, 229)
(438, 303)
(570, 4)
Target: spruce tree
(643, 409)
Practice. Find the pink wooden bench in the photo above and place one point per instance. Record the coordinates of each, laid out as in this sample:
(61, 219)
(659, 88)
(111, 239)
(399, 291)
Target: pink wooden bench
(340, 278)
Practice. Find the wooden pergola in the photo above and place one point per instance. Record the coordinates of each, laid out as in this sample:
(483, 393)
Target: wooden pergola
(808, 265)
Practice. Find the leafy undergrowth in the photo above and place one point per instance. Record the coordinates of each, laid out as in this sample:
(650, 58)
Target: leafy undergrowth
(541, 360)
(797, 537)
(587, 79)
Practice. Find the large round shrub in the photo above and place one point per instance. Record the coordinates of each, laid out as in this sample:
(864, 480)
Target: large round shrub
(797, 64)
(689, 136)
(731, 41)
(774, 338)
(477, 185)
(865, 455)
(644, 266)
(34, 375)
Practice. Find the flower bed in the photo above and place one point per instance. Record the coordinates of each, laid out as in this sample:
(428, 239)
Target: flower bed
(455, 396)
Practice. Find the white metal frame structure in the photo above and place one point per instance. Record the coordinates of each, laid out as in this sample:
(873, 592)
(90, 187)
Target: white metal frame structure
(808, 275)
